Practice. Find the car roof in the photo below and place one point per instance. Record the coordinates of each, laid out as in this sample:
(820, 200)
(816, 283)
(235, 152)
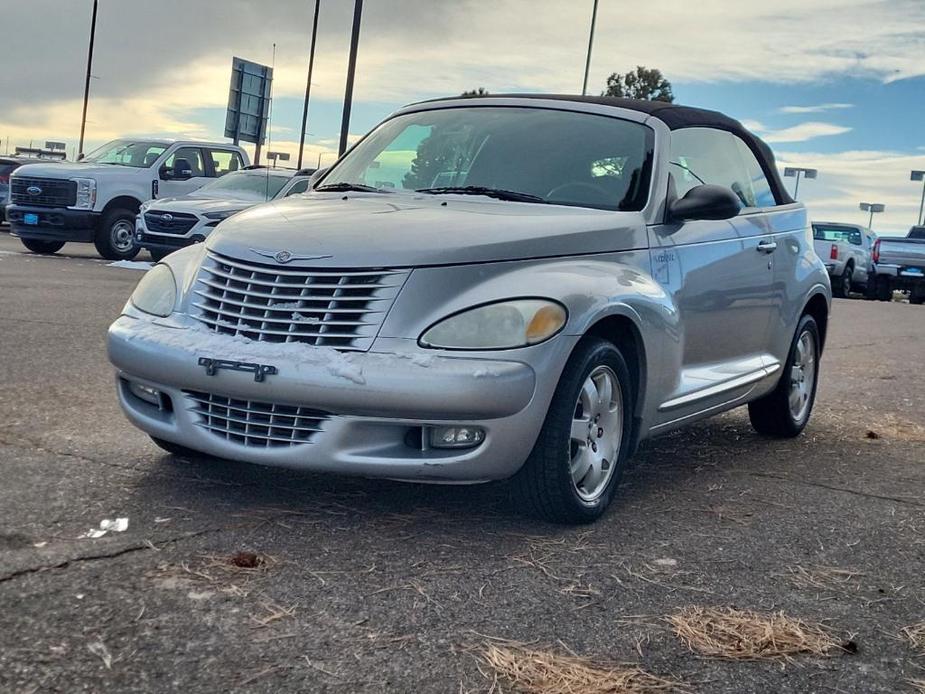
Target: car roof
(674, 116)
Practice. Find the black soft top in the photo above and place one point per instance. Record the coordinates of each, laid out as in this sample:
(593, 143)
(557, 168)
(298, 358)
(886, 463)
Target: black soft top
(675, 117)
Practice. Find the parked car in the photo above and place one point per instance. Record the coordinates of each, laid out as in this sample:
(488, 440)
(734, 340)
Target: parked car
(845, 250)
(166, 224)
(900, 265)
(552, 303)
(8, 164)
(96, 199)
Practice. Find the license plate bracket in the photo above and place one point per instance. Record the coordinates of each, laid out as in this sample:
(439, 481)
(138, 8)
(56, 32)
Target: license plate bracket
(31, 219)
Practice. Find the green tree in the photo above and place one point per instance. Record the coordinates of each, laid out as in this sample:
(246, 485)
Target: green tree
(481, 91)
(642, 83)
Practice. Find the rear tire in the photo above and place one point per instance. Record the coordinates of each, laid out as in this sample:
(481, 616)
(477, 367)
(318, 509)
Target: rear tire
(841, 285)
(42, 247)
(884, 291)
(784, 412)
(115, 238)
(572, 473)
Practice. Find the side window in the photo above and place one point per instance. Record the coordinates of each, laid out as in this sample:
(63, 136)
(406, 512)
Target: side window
(854, 237)
(224, 161)
(764, 196)
(705, 155)
(192, 156)
(299, 187)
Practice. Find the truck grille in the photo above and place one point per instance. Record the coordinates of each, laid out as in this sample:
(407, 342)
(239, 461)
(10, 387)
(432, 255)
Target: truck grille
(169, 222)
(254, 423)
(334, 308)
(52, 192)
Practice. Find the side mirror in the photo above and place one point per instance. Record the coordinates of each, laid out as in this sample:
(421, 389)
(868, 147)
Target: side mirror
(705, 201)
(315, 176)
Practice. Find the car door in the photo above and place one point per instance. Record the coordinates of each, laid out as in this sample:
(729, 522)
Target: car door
(175, 178)
(718, 273)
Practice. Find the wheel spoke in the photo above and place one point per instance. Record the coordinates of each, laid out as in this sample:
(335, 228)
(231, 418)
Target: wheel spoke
(604, 392)
(589, 395)
(580, 429)
(581, 464)
(594, 475)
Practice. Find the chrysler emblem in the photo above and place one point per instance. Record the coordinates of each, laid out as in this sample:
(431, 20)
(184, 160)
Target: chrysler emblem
(286, 256)
(34, 190)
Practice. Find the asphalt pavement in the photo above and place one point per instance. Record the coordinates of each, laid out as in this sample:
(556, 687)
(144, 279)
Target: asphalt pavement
(375, 586)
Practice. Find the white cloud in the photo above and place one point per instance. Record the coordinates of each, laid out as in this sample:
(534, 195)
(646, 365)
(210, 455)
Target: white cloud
(818, 108)
(796, 133)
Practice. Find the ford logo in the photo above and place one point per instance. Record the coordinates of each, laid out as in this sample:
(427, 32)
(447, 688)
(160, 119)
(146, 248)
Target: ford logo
(34, 190)
(167, 217)
(283, 257)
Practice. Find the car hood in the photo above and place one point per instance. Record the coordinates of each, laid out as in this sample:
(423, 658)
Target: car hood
(191, 203)
(73, 170)
(398, 230)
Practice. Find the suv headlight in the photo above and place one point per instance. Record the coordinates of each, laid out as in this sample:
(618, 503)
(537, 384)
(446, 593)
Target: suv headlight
(224, 214)
(86, 193)
(156, 293)
(502, 325)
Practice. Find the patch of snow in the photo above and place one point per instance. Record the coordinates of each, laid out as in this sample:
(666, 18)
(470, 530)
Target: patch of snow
(422, 360)
(286, 304)
(119, 525)
(299, 318)
(132, 264)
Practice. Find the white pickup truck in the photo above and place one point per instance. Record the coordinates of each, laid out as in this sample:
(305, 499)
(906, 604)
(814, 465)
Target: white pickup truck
(900, 265)
(845, 249)
(97, 198)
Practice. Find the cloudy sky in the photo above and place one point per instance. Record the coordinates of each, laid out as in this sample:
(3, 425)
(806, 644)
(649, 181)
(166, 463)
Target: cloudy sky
(834, 84)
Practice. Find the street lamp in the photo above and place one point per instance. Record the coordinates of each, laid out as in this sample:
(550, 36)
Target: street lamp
(873, 208)
(920, 176)
(791, 171)
(584, 86)
(351, 71)
(83, 117)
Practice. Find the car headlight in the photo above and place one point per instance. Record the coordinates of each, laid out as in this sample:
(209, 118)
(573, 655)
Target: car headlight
(503, 325)
(224, 214)
(156, 293)
(86, 193)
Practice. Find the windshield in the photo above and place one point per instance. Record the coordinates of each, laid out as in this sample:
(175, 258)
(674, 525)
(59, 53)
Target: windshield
(246, 185)
(525, 154)
(139, 155)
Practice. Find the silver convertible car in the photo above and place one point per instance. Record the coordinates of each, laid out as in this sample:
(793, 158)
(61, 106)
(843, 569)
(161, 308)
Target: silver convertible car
(484, 288)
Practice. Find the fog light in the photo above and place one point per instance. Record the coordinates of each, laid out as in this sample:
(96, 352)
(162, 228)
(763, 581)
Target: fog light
(456, 436)
(146, 393)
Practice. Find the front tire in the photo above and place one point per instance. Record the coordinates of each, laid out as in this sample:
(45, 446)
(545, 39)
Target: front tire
(42, 247)
(581, 451)
(115, 239)
(784, 412)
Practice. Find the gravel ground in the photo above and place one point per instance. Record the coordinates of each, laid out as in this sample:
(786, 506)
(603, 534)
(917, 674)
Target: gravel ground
(375, 586)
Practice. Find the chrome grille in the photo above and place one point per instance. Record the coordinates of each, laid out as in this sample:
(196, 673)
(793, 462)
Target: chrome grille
(52, 192)
(333, 308)
(254, 423)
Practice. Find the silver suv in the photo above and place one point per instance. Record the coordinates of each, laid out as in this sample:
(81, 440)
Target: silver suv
(486, 288)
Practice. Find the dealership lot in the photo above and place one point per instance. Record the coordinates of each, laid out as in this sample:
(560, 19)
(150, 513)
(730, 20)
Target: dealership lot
(371, 586)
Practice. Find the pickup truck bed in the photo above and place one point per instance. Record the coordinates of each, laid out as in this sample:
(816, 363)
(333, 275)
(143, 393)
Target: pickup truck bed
(900, 264)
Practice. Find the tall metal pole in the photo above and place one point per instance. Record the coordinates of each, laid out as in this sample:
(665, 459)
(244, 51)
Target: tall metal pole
(870, 222)
(308, 84)
(796, 190)
(922, 204)
(351, 69)
(83, 118)
(584, 85)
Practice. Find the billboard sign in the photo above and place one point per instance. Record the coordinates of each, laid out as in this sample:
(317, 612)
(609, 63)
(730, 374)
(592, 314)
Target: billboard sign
(248, 101)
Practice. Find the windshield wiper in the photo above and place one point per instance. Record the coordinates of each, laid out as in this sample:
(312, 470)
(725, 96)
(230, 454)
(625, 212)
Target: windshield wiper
(498, 193)
(344, 187)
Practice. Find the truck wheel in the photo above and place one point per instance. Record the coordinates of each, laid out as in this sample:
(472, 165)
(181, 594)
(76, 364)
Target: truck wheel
(841, 285)
(115, 239)
(884, 290)
(785, 411)
(43, 247)
(581, 451)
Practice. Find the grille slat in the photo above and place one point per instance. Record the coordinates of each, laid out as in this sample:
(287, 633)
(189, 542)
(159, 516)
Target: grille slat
(255, 423)
(54, 192)
(336, 308)
(176, 223)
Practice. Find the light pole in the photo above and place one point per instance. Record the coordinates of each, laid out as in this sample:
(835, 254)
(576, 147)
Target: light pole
(83, 118)
(584, 85)
(873, 208)
(308, 83)
(351, 70)
(920, 176)
(791, 171)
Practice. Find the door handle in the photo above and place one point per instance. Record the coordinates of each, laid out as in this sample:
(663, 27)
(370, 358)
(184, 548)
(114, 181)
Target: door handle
(767, 246)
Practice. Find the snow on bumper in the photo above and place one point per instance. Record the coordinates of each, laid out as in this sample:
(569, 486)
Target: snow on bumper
(374, 401)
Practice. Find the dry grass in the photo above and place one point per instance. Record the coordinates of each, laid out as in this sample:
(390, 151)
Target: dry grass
(540, 671)
(235, 574)
(918, 686)
(822, 578)
(915, 635)
(742, 635)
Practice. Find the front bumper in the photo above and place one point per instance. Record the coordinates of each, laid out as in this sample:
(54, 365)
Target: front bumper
(378, 402)
(54, 223)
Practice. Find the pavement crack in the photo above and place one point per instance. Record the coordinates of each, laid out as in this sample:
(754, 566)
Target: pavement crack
(847, 490)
